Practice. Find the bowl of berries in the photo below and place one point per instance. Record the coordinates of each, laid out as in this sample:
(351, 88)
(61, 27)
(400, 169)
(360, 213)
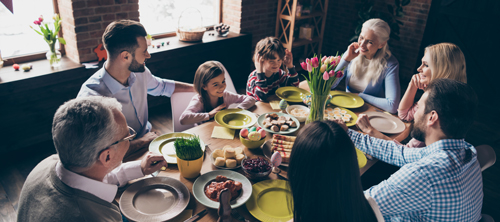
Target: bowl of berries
(252, 137)
(256, 167)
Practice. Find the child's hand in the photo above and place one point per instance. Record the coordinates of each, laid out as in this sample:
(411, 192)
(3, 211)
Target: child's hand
(259, 63)
(216, 110)
(288, 59)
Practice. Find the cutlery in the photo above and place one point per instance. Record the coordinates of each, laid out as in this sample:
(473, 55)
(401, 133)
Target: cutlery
(197, 216)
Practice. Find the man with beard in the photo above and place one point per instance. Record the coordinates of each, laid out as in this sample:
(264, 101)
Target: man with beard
(439, 182)
(125, 77)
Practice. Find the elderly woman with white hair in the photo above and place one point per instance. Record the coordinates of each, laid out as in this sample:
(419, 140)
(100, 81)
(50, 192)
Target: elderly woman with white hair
(370, 68)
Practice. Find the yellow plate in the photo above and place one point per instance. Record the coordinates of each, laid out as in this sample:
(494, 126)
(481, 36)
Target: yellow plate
(354, 117)
(345, 99)
(269, 201)
(164, 144)
(235, 118)
(291, 93)
(361, 158)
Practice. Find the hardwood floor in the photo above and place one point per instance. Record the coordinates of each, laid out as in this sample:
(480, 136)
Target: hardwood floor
(15, 167)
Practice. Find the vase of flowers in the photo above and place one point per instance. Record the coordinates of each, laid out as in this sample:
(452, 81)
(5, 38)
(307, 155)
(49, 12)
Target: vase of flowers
(322, 76)
(51, 37)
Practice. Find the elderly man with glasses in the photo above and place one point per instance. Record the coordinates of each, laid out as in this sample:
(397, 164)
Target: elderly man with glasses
(91, 137)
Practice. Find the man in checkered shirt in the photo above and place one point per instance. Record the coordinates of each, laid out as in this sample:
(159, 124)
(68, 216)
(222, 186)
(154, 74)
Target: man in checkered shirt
(440, 182)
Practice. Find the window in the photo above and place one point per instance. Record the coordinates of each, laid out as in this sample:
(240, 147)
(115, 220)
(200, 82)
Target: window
(16, 37)
(162, 16)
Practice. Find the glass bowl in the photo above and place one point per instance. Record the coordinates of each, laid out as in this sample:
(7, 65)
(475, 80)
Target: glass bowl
(257, 174)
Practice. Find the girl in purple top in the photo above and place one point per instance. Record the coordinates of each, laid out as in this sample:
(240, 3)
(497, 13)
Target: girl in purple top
(210, 84)
(440, 61)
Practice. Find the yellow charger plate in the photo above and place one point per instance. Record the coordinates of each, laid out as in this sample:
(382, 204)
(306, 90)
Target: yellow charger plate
(291, 93)
(164, 144)
(361, 158)
(235, 118)
(345, 99)
(269, 201)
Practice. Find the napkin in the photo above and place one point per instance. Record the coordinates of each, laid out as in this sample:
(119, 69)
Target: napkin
(274, 104)
(222, 133)
(186, 214)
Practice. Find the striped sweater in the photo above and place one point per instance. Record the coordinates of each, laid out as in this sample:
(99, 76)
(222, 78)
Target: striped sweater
(260, 87)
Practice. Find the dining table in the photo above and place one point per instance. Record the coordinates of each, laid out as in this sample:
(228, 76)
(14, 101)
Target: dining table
(204, 131)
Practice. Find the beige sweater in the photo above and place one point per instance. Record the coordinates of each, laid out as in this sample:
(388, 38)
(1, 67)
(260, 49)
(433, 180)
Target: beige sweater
(44, 197)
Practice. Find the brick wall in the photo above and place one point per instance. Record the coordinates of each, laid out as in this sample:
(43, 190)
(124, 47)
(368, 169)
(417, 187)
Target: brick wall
(342, 20)
(84, 22)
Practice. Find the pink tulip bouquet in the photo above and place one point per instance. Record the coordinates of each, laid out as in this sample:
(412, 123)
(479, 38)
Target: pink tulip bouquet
(321, 77)
(50, 36)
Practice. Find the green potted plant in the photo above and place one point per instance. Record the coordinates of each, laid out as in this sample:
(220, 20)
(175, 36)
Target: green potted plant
(189, 156)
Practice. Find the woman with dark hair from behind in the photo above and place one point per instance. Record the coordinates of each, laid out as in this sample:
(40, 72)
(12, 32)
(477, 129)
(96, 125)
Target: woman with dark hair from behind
(324, 177)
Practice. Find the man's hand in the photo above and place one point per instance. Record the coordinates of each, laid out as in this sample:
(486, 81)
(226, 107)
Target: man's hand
(341, 124)
(152, 162)
(216, 110)
(259, 63)
(139, 143)
(288, 59)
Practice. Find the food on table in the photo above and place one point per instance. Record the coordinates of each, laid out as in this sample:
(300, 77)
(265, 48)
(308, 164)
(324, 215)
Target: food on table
(238, 150)
(278, 123)
(283, 104)
(220, 161)
(337, 113)
(283, 145)
(262, 133)
(254, 136)
(299, 112)
(228, 156)
(229, 153)
(244, 132)
(257, 165)
(231, 163)
(213, 189)
(218, 153)
(239, 158)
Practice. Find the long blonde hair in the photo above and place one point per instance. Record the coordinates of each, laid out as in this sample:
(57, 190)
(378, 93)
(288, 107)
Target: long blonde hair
(372, 68)
(446, 62)
(203, 75)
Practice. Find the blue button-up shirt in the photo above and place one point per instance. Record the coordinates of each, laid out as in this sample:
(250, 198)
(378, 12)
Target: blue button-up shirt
(132, 97)
(440, 182)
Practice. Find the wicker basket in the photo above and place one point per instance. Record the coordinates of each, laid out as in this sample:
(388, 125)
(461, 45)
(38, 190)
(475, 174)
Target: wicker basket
(190, 36)
(195, 35)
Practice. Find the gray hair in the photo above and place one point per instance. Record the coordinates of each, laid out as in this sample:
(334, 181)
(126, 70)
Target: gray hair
(372, 68)
(81, 128)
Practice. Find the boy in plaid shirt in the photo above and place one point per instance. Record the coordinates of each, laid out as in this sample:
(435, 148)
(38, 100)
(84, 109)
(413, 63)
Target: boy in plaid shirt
(267, 77)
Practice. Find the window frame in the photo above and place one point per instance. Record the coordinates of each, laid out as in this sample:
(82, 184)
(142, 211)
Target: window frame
(39, 55)
(172, 34)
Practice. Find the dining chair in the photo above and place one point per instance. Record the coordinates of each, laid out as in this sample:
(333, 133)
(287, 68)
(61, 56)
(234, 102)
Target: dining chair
(179, 102)
(229, 82)
(486, 218)
(485, 156)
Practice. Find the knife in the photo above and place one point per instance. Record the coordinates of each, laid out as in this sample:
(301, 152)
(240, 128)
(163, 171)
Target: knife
(197, 216)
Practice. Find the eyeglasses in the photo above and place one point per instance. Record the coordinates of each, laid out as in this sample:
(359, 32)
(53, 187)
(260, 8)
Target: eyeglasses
(129, 138)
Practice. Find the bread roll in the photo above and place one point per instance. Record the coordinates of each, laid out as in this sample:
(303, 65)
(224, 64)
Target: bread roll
(229, 153)
(217, 153)
(230, 163)
(239, 158)
(220, 161)
(226, 146)
(238, 150)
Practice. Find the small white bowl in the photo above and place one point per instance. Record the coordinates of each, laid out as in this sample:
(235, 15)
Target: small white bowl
(299, 118)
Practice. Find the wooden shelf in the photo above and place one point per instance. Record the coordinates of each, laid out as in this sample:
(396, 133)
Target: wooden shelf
(311, 15)
(301, 42)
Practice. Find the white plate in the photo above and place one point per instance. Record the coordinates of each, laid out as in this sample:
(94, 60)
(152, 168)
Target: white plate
(385, 123)
(299, 118)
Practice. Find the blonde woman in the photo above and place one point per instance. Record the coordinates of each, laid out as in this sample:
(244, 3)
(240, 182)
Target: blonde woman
(371, 70)
(440, 61)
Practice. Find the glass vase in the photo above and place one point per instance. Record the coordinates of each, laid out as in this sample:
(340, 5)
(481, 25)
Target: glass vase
(317, 109)
(54, 57)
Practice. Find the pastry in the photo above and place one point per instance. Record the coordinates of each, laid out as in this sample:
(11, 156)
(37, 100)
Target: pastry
(238, 150)
(239, 158)
(229, 153)
(275, 128)
(220, 161)
(230, 163)
(284, 127)
(218, 153)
